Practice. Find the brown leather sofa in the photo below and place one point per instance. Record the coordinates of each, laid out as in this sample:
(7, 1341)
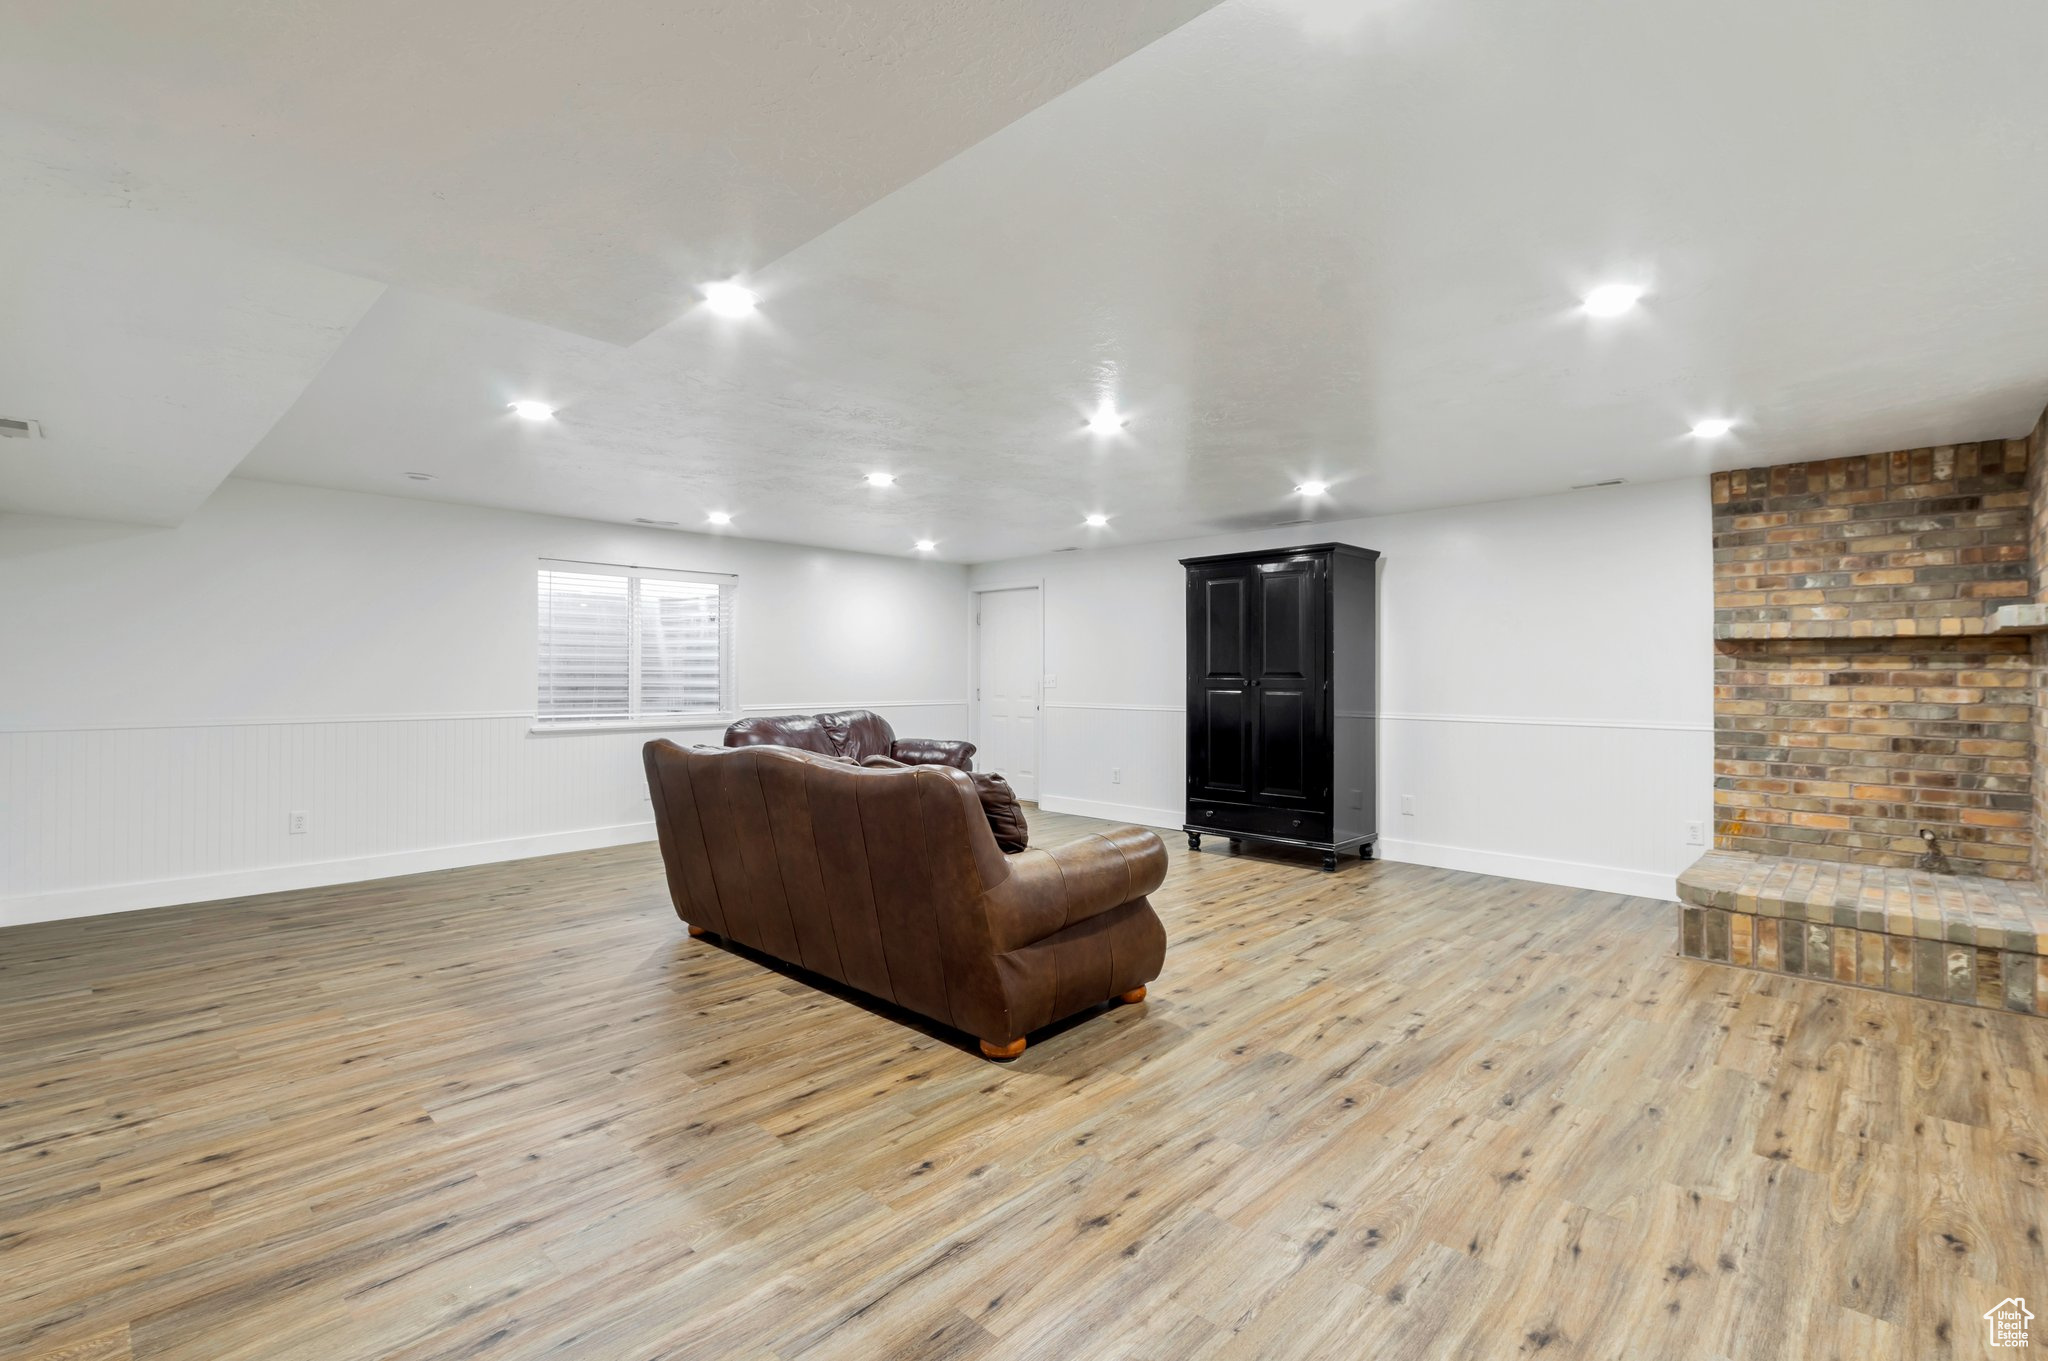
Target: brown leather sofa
(865, 738)
(888, 880)
(851, 735)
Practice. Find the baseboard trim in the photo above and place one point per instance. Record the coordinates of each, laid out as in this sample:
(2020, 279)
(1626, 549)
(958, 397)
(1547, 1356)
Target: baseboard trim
(1113, 812)
(136, 897)
(1567, 873)
(203, 888)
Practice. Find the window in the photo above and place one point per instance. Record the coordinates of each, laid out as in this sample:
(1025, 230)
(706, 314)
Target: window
(633, 645)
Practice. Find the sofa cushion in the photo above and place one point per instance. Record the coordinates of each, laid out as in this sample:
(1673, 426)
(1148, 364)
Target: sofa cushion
(1005, 816)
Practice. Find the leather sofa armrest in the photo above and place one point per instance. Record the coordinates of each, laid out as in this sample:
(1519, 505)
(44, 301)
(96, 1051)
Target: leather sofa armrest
(1050, 890)
(933, 751)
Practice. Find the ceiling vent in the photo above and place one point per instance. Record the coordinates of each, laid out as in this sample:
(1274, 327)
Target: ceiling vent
(656, 524)
(1610, 482)
(13, 429)
(1289, 524)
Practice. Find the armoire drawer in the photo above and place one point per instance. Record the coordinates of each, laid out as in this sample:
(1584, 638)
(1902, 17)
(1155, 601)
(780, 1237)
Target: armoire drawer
(1225, 818)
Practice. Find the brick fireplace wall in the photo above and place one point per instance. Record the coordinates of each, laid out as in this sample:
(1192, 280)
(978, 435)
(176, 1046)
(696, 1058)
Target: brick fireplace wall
(2037, 544)
(1857, 698)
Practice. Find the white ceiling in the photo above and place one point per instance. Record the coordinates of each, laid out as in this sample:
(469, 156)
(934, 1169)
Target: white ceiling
(153, 354)
(1292, 238)
(581, 165)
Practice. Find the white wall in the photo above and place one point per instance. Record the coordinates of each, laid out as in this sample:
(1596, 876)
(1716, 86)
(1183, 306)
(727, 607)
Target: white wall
(1546, 681)
(168, 696)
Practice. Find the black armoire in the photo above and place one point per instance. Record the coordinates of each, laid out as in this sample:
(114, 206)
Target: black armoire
(1283, 684)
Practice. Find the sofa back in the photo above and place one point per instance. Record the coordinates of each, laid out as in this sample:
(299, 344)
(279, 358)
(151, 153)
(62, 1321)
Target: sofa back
(873, 877)
(854, 734)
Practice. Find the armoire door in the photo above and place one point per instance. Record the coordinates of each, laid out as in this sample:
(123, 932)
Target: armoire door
(1221, 708)
(1290, 747)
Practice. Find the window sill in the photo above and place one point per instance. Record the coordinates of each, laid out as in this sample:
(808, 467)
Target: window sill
(692, 723)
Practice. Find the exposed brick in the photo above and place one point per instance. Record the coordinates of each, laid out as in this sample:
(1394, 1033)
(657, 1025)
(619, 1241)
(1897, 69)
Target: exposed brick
(2036, 557)
(1857, 698)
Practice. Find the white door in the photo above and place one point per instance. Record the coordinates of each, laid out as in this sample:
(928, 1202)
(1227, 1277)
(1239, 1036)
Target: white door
(1007, 674)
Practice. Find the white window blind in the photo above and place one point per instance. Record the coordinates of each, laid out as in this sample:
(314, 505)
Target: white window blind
(633, 644)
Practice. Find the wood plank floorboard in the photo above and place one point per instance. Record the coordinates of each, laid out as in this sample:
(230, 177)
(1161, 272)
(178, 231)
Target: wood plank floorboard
(514, 1111)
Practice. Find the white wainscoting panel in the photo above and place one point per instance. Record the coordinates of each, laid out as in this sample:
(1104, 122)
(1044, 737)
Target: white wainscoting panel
(1578, 802)
(1087, 747)
(1581, 802)
(116, 818)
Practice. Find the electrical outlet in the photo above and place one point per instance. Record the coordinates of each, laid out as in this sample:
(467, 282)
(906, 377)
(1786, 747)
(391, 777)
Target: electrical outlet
(1116, 774)
(1695, 833)
(1407, 805)
(297, 824)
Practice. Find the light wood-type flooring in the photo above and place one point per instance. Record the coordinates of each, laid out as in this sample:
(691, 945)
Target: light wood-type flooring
(514, 1111)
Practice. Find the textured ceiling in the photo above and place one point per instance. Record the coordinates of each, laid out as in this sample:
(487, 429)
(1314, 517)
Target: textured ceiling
(1291, 239)
(581, 165)
(154, 355)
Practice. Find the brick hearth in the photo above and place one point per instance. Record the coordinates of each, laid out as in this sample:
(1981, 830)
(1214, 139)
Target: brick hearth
(1950, 937)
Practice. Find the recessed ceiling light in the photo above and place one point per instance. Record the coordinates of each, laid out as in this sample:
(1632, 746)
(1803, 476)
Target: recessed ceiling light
(881, 479)
(1096, 521)
(926, 546)
(1713, 429)
(719, 517)
(1611, 300)
(1105, 421)
(532, 411)
(421, 477)
(729, 299)
(1311, 489)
